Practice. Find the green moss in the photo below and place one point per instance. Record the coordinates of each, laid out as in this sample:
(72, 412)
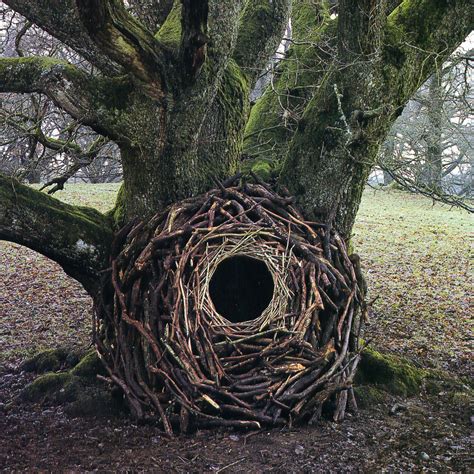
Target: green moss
(170, 32)
(23, 74)
(45, 385)
(392, 374)
(118, 213)
(306, 18)
(414, 21)
(351, 247)
(89, 366)
(51, 360)
(276, 115)
(232, 96)
(231, 108)
(419, 36)
(367, 396)
(261, 26)
(70, 235)
(78, 390)
(263, 170)
(73, 388)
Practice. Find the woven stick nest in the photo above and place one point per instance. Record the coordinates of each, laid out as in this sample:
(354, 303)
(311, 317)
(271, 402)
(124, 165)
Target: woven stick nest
(178, 359)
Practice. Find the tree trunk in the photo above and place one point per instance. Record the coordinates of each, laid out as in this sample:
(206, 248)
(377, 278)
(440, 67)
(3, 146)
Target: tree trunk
(321, 133)
(193, 142)
(433, 169)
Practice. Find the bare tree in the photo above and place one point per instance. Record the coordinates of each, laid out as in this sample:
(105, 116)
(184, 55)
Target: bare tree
(39, 142)
(430, 147)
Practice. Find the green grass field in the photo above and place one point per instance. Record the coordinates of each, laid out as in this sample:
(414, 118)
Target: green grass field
(415, 255)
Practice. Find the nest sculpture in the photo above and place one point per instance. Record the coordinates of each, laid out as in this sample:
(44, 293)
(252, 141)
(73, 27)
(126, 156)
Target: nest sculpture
(229, 309)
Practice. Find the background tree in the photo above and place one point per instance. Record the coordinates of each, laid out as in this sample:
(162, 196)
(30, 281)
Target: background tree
(176, 102)
(39, 141)
(429, 147)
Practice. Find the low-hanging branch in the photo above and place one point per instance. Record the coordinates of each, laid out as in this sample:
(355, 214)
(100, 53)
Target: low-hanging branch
(81, 95)
(60, 18)
(78, 238)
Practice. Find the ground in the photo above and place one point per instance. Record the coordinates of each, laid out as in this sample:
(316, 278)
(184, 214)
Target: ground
(416, 258)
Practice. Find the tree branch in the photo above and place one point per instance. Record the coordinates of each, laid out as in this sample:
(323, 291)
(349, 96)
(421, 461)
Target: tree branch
(78, 238)
(81, 160)
(86, 98)
(261, 28)
(419, 37)
(122, 38)
(360, 26)
(274, 118)
(60, 18)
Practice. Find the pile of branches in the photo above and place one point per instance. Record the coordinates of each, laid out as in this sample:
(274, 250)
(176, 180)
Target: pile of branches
(177, 359)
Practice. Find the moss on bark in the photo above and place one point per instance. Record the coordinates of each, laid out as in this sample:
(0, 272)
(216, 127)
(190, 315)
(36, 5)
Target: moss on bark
(78, 238)
(390, 373)
(52, 360)
(261, 28)
(274, 117)
(78, 389)
(170, 32)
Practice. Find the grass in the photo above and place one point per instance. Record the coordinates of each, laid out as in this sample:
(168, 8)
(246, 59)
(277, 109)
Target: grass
(415, 256)
(100, 196)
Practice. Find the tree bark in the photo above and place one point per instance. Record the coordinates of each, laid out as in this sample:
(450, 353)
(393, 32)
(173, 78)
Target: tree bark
(78, 238)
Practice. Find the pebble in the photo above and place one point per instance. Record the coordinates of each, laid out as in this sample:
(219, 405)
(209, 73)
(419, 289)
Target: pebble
(397, 408)
(299, 449)
(424, 456)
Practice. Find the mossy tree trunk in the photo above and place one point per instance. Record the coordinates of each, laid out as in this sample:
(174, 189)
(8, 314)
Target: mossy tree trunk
(334, 101)
(176, 101)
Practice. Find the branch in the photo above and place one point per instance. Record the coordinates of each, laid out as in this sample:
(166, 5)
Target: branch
(78, 238)
(81, 160)
(60, 18)
(275, 116)
(261, 29)
(419, 37)
(360, 26)
(85, 97)
(414, 186)
(122, 38)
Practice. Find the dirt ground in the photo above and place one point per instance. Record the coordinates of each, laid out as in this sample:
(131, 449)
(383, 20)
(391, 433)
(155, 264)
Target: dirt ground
(423, 434)
(40, 308)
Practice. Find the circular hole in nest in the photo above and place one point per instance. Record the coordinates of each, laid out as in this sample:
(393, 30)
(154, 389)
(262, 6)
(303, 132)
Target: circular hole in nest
(241, 288)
